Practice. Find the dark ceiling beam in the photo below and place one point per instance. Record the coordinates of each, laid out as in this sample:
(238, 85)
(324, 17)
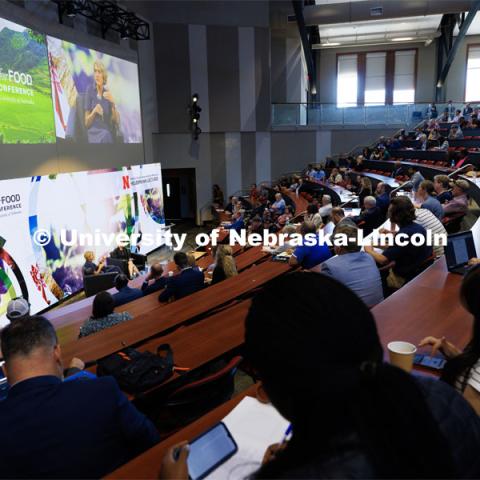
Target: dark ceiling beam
(445, 68)
(307, 50)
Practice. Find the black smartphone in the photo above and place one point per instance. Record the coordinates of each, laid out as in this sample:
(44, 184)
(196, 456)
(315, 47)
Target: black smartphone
(435, 363)
(210, 450)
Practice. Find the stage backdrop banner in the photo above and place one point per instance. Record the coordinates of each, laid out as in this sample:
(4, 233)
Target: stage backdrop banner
(43, 218)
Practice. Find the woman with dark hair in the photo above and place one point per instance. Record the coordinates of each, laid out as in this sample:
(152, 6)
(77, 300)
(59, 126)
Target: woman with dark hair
(366, 190)
(312, 215)
(462, 369)
(103, 315)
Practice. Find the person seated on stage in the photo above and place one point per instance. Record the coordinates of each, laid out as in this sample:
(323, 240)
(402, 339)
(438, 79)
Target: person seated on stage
(103, 315)
(352, 414)
(308, 256)
(459, 201)
(408, 258)
(426, 200)
(371, 216)
(278, 206)
(224, 265)
(462, 370)
(154, 281)
(17, 308)
(326, 209)
(355, 269)
(188, 281)
(123, 253)
(416, 177)
(124, 293)
(90, 268)
(382, 197)
(429, 221)
(237, 221)
(54, 429)
(455, 133)
(441, 184)
(335, 176)
(313, 216)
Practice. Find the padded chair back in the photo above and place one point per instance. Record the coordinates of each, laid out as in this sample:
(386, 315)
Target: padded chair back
(93, 284)
(118, 262)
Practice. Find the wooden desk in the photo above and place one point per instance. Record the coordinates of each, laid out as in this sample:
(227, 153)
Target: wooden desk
(148, 464)
(428, 305)
(250, 257)
(172, 315)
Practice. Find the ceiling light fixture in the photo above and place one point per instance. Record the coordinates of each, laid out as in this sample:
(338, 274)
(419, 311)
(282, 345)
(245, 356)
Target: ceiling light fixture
(402, 39)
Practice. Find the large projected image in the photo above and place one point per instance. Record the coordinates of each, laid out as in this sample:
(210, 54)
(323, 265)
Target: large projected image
(42, 219)
(95, 96)
(25, 97)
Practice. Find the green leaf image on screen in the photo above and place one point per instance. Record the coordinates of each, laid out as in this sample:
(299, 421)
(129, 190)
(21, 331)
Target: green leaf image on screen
(26, 110)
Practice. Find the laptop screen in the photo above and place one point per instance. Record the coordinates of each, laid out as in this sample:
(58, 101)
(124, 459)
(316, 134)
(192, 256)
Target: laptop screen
(460, 248)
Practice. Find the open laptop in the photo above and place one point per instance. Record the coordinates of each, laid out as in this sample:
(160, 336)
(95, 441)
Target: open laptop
(460, 248)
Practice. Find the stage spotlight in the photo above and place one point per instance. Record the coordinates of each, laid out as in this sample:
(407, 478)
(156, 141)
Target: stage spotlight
(194, 110)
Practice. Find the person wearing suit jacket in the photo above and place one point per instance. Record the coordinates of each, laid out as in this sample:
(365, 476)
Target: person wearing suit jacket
(154, 281)
(83, 428)
(371, 217)
(188, 281)
(125, 293)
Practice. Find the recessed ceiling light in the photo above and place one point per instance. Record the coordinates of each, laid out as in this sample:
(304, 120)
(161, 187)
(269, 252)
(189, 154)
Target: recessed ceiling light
(333, 44)
(402, 39)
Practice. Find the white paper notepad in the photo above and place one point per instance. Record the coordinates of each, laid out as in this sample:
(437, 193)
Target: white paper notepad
(254, 426)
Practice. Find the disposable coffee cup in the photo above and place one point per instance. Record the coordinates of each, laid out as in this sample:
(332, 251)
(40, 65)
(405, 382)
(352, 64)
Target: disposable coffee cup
(170, 273)
(402, 354)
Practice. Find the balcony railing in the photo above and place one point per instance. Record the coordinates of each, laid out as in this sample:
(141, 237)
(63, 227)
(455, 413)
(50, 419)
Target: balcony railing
(368, 116)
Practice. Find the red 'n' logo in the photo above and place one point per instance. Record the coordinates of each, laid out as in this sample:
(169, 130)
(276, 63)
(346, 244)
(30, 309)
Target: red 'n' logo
(126, 182)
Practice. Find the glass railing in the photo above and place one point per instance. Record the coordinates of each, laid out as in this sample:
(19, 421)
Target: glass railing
(331, 115)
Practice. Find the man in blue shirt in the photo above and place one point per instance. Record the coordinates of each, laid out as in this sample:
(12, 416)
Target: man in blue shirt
(308, 256)
(355, 269)
(319, 174)
(409, 257)
(189, 280)
(416, 178)
(84, 428)
(424, 196)
(125, 293)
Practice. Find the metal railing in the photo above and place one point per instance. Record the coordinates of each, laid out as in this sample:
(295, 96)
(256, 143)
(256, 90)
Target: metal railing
(345, 116)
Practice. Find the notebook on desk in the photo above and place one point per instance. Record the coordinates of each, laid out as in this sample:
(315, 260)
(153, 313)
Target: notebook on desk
(459, 250)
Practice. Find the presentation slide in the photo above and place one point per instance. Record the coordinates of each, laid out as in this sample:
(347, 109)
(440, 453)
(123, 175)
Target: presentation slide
(47, 223)
(26, 114)
(95, 96)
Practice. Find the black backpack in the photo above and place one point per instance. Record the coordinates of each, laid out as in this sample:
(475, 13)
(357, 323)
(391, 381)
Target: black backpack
(137, 371)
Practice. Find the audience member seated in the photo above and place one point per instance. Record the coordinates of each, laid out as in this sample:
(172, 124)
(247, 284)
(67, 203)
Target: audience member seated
(335, 177)
(456, 117)
(17, 308)
(443, 145)
(425, 199)
(459, 202)
(416, 177)
(352, 415)
(376, 155)
(455, 133)
(122, 253)
(338, 218)
(237, 221)
(355, 269)
(467, 110)
(278, 206)
(312, 216)
(398, 170)
(154, 281)
(371, 216)
(366, 190)
(441, 184)
(311, 253)
(432, 111)
(287, 231)
(232, 201)
(318, 174)
(256, 225)
(444, 117)
(224, 265)
(326, 207)
(56, 429)
(103, 315)
(188, 281)
(408, 258)
(125, 293)
(90, 268)
(282, 220)
(358, 164)
(429, 221)
(462, 370)
(382, 197)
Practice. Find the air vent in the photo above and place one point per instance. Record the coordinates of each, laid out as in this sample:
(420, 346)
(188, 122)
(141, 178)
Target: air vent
(376, 11)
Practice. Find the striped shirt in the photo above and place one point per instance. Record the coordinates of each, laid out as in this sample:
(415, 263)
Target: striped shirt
(473, 379)
(430, 222)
